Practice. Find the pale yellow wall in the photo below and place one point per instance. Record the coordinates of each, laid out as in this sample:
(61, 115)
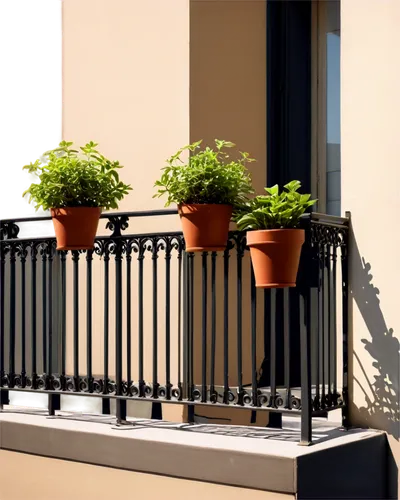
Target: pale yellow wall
(228, 76)
(370, 108)
(228, 101)
(143, 79)
(126, 85)
(51, 479)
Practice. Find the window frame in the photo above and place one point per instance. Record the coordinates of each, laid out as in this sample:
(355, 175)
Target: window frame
(319, 172)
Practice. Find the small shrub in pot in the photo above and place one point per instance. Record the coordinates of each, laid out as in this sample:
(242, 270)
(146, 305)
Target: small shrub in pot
(275, 241)
(75, 185)
(207, 188)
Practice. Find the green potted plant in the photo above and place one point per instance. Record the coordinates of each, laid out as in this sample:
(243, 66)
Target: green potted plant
(273, 236)
(75, 185)
(207, 188)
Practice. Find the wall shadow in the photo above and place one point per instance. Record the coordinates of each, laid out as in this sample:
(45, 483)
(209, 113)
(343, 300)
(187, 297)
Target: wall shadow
(380, 384)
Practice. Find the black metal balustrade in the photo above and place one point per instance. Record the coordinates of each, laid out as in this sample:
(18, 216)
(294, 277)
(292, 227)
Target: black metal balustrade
(138, 318)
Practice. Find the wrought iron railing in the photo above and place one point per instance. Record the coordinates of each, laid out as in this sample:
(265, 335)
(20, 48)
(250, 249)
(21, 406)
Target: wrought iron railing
(138, 318)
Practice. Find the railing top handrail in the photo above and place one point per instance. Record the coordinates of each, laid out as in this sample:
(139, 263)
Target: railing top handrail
(330, 219)
(104, 215)
(312, 216)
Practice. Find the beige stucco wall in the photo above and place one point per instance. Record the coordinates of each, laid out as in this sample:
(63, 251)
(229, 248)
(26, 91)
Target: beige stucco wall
(97, 483)
(228, 101)
(370, 177)
(143, 79)
(228, 76)
(126, 86)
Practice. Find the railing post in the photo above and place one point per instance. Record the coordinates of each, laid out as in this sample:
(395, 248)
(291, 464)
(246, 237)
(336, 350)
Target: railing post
(4, 395)
(11, 367)
(226, 325)
(185, 324)
(54, 400)
(213, 394)
(204, 330)
(305, 348)
(75, 259)
(49, 369)
(106, 410)
(188, 333)
(121, 403)
(345, 325)
(4, 398)
(2, 285)
(54, 403)
(306, 403)
(191, 330)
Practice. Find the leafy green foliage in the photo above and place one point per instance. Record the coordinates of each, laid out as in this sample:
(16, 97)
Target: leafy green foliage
(209, 176)
(275, 210)
(72, 178)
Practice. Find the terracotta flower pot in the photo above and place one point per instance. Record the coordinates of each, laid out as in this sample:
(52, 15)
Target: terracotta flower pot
(275, 254)
(205, 227)
(75, 227)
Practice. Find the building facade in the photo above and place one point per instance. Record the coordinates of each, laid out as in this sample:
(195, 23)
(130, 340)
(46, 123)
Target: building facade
(310, 89)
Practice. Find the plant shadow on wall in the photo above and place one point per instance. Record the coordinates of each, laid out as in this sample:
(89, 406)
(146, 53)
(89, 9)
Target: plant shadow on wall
(381, 389)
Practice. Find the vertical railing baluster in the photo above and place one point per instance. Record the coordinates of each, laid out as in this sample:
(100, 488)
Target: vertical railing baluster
(121, 403)
(185, 325)
(287, 351)
(89, 259)
(33, 315)
(180, 318)
(44, 251)
(188, 303)
(253, 337)
(273, 318)
(75, 260)
(11, 366)
(334, 324)
(280, 347)
(105, 400)
(168, 319)
(204, 330)
(4, 396)
(63, 258)
(191, 327)
(54, 400)
(306, 320)
(2, 315)
(154, 258)
(23, 255)
(322, 331)
(329, 325)
(50, 317)
(239, 318)
(226, 325)
(306, 401)
(140, 317)
(213, 325)
(267, 337)
(345, 328)
(317, 399)
(128, 316)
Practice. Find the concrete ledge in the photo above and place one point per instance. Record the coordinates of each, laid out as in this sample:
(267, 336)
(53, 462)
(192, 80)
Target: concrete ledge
(94, 482)
(266, 464)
